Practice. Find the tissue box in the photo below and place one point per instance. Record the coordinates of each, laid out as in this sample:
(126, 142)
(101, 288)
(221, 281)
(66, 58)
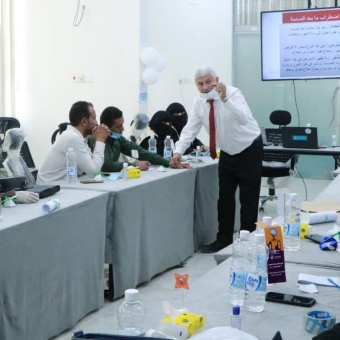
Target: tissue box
(189, 320)
(133, 172)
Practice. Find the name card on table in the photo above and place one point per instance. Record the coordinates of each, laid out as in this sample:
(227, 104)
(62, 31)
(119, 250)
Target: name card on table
(276, 258)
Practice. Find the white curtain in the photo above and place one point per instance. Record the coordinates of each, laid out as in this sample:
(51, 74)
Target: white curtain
(7, 87)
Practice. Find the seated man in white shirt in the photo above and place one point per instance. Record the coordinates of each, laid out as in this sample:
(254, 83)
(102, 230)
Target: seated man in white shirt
(83, 123)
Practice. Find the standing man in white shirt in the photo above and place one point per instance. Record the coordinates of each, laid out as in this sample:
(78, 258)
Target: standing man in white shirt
(227, 118)
(82, 123)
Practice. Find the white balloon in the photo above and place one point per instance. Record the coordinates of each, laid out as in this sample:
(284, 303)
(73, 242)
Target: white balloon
(149, 56)
(160, 63)
(150, 76)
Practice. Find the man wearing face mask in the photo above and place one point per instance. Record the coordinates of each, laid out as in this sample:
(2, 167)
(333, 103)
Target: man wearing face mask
(227, 118)
(117, 144)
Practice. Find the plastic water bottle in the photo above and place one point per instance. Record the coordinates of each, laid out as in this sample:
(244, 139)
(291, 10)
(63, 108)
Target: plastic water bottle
(267, 221)
(198, 154)
(167, 148)
(131, 314)
(334, 140)
(292, 223)
(236, 318)
(256, 281)
(238, 269)
(125, 173)
(152, 144)
(71, 166)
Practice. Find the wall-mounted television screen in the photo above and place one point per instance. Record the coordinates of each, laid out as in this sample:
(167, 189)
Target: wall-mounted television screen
(300, 44)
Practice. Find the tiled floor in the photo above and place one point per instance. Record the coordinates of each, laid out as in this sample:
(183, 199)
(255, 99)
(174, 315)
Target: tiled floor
(154, 292)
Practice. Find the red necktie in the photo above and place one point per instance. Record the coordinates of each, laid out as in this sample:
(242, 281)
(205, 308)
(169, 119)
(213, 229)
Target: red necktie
(212, 131)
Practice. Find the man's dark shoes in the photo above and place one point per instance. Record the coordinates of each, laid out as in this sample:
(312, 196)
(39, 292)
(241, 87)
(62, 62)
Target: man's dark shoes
(213, 247)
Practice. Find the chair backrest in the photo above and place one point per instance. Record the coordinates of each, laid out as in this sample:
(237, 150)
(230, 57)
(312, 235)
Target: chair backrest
(61, 128)
(280, 117)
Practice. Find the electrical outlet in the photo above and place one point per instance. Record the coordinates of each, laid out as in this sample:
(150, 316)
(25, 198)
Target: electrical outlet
(186, 80)
(78, 78)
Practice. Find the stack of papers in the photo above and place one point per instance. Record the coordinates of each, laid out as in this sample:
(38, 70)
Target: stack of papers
(318, 280)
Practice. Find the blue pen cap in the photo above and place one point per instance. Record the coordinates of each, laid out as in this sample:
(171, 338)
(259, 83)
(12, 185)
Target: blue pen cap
(236, 310)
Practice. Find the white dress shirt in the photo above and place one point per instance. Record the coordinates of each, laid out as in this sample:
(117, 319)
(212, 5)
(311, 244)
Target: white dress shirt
(54, 166)
(236, 128)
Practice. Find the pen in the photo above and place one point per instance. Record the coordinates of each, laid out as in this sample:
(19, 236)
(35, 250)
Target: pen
(332, 282)
(338, 233)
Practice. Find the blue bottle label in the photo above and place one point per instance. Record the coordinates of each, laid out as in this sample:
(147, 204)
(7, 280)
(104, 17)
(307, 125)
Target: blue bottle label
(256, 282)
(237, 280)
(72, 170)
(167, 154)
(292, 229)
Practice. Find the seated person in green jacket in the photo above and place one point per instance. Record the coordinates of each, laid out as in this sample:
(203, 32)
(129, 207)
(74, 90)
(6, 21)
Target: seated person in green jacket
(117, 144)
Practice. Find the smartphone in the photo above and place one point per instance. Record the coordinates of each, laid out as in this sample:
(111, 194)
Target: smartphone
(90, 181)
(290, 299)
(315, 238)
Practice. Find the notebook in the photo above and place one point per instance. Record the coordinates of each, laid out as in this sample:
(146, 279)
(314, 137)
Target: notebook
(300, 137)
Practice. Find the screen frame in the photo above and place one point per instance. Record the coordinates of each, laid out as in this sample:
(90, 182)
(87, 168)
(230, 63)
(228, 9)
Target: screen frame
(262, 13)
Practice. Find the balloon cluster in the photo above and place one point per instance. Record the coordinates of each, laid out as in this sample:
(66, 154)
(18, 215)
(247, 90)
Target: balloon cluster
(154, 63)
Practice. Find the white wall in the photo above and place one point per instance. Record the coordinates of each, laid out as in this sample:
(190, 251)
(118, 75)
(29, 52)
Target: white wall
(49, 50)
(190, 34)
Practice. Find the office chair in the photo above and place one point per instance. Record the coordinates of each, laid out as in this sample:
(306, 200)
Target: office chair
(280, 118)
(61, 128)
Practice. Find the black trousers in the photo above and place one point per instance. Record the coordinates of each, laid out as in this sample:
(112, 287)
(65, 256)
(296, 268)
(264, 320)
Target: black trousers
(242, 170)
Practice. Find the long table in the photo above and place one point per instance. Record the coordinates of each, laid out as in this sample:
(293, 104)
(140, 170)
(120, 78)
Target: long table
(51, 265)
(209, 296)
(149, 225)
(309, 252)
(324, 151)
(157, 221)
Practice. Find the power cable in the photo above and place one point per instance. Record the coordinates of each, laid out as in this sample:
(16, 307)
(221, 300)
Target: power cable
(296, 105)
(75, 19)
(303, 183)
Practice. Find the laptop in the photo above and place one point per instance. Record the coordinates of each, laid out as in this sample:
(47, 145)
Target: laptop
(300, 137)
(273, 136)
(264, 136)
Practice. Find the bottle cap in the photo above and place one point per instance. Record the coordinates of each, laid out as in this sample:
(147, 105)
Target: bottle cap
(70, 149)
(308, 125)
(259, 238)
(198, 148)
(152, 136)
(292, 195)
(267, 220)
(244, 234)
(333, 136)
(236, 310)
(131, 295)
(125, 165)
(168, 137)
